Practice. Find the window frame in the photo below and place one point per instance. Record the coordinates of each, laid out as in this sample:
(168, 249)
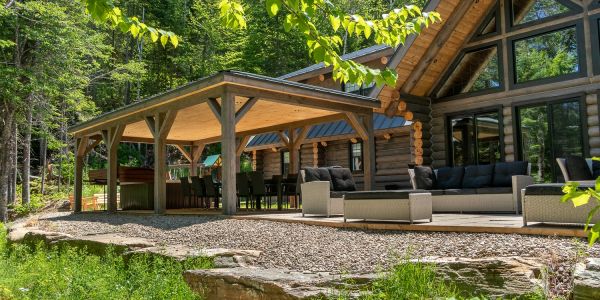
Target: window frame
(473, 113)
(458, 59)
(494, 12)
(282, 162)
(516, 122)
(574, 9)
(351, 157)
(594, 5)
(580, 38)
(595, 39)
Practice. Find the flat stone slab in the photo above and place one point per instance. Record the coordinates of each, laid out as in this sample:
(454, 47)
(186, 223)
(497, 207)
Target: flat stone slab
(223, 258)
(586, 280)
(504, 277)
(262, 284)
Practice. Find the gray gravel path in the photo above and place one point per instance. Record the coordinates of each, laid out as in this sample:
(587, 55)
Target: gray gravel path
(314, 248)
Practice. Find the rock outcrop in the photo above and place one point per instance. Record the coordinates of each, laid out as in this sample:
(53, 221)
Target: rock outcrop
(586, 280)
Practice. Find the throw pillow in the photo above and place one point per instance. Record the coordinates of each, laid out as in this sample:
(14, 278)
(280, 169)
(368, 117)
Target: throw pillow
(578, 168)
(504, 171)
(449, 178)
(477, 176)
(424, 177)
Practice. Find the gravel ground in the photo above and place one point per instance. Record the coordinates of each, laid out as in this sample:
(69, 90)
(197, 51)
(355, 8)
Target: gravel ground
(314, 248)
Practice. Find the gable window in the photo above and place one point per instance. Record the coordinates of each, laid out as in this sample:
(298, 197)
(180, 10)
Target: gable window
(549, 130)
(476, 71)
(475, 138)
(490, 25)
(547, 55)
(356, 157)
(529, 11)
(354, 88)
(596, 43)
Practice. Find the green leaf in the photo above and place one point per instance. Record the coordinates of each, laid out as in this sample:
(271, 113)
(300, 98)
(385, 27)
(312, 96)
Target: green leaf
(134, 30)
(164, 39)
(335, 22)
(594, 234)
(580, 200)
(273, 7)
(174, 40)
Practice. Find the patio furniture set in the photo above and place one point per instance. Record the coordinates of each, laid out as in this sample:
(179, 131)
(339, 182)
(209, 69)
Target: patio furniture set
(505, 187)
(251, 187)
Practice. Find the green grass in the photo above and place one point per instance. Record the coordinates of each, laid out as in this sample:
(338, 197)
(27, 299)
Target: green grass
(409, 280)
(68, 273)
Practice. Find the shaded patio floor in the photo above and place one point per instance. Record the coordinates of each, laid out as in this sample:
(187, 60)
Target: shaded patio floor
(473, 223)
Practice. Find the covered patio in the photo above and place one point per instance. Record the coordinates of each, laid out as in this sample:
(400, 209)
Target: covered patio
(228, 107)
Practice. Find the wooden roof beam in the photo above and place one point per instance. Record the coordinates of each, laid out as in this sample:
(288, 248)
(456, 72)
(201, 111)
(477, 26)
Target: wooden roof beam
(356, 123)
(431, 53)
(245, 109)
(215, 107)
(242, 145)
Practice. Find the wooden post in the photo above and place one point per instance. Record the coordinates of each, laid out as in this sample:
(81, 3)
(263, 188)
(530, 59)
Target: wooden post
(160, 125)
(254, 162)
(294, 158)
(112, 137)
(82, 144)
(228, 153)
(196, 154)
(315, 155)
(369, 153)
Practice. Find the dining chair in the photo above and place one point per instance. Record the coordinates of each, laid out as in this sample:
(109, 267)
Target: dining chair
(243, 188)
(186, 192)
(257, 182)
(198, 188)
(289, 188)
(212, 191)
(275, 188)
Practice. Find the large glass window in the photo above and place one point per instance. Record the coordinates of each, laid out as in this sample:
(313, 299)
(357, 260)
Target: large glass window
(525, 11)
(285, 163)
(475, 138)
(356, 156)
(477, 70)
(547, 131)
(546, 55)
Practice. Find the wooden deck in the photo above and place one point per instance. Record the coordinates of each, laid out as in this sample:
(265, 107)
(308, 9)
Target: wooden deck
(468, 223)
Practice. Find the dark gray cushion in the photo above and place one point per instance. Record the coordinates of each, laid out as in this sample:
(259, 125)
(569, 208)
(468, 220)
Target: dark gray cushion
(311, 174)
(494, 190)
(578, 168)
(595, 169)
(449, 178)
(460, 192)
(424, 177)
(335, 194)
(379, 195)
(477, 176)
(436, 192)
(504, 171)
(554, 189)
(342, 179)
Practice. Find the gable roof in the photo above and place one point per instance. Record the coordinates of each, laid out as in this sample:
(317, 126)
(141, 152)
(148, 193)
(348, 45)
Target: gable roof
(379, 50)
(330, 129)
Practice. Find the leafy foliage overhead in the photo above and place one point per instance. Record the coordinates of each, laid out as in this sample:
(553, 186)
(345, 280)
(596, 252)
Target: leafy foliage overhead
(303, 15)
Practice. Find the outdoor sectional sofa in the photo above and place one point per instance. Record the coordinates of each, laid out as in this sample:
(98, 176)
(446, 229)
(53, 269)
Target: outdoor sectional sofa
(477, 188)
(332, 191)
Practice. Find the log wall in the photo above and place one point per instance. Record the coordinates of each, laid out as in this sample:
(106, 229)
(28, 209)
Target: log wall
(392, 158)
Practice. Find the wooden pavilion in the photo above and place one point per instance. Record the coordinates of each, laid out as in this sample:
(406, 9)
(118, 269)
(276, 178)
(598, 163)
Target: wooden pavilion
(228, 107)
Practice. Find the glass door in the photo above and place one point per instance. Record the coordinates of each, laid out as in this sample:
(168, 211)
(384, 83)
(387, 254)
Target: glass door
(547, 131)
(475, 138)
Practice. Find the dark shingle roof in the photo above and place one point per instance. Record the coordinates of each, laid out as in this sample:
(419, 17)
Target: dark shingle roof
(330, 129)
(351, 55)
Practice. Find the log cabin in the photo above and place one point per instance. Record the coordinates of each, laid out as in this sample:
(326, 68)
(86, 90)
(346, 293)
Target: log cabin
(480, 87)
(496, 80)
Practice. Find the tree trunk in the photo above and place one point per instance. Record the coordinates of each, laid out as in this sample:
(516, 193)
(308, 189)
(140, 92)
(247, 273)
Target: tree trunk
(13, 145)
(5, 135)
(43, 162)
(26, 172)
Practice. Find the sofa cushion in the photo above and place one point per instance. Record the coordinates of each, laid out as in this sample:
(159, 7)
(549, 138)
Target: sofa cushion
(477, 176)
(379, 195)
(595, 169)
(334, 194)
(436, 192)
(449, 178)
(504, 171)
(424, 177)
(311, 174)
(342, 179)
(578, 168)
(494, 190)
(460, 192)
